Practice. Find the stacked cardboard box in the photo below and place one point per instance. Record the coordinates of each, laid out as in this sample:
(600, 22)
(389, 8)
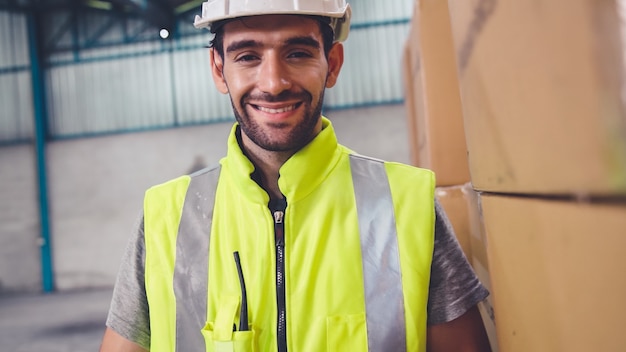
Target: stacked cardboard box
(554, 268)
(542, 87)
(435, 120)
(557, 273)
(543, 91)
(479, 260)
(432, 98)
(454, 202)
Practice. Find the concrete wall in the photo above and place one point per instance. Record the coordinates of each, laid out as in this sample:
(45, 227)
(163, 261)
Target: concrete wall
(19, 220)
(96, 187)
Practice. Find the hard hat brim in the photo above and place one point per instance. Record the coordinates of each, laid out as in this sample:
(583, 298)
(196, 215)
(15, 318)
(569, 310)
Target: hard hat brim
(199, 22)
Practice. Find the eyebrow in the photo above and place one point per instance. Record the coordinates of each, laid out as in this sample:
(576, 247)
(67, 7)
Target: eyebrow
(243, 44)
(304, 40)
(250, 44)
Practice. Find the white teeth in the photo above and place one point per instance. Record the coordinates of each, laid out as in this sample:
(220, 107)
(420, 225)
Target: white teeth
(276, 111)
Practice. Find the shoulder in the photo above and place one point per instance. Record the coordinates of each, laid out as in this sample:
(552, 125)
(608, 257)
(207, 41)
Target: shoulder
(181, 183)
(207, 171)
(406, 172)
(395, 170)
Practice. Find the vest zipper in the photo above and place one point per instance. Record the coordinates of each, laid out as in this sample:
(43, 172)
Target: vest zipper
(278, 208)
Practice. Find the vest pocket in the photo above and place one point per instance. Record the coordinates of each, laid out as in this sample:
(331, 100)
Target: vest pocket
(220, 335)
(346, 333)
(240, 341)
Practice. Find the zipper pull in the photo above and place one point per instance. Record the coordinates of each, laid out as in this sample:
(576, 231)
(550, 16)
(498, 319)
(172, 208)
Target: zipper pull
(277, 208)
(278, 217)
(279, 227)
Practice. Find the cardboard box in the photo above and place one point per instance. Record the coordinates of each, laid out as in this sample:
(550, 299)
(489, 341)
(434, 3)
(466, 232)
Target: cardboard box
(433, 103)
(557, 273)
(479, 260)
(486, 309)
(453, 201)
(477, 235)
(543, 91)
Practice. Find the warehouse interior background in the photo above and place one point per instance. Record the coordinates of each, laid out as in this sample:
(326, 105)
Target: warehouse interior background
(518, 107)
(86, 84)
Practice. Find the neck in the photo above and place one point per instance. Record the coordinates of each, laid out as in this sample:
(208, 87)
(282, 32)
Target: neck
(267, 164)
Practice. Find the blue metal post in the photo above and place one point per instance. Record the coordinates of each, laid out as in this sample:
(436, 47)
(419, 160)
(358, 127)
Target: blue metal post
(172, 51)
(40, 110)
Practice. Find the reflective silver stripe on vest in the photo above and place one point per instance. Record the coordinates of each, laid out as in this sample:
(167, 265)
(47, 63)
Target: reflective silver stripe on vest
(384, 300)
(192, 260)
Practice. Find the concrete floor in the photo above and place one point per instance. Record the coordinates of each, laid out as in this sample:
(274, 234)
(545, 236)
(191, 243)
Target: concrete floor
(57, 322)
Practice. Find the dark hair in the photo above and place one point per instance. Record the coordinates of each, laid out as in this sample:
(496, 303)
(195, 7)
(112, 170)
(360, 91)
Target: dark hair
(328, 35)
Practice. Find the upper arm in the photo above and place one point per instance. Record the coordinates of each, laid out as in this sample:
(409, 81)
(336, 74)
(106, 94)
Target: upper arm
(129, 314)
(463, 334)
(454, 286)
(114, 342)
(454, 322)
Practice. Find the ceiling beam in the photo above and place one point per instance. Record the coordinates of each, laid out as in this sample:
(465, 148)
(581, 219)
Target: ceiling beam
(158, 13)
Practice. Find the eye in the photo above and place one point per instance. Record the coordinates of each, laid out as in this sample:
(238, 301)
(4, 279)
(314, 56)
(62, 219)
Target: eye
(300, 54)
(246, 58)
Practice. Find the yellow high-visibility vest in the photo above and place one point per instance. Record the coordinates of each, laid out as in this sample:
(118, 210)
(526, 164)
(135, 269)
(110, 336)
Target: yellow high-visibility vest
(358, 244)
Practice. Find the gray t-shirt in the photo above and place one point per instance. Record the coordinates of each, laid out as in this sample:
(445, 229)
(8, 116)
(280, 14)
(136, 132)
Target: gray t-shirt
(454, 287)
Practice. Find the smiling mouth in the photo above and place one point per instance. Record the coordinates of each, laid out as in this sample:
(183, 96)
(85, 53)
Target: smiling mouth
(277, 111)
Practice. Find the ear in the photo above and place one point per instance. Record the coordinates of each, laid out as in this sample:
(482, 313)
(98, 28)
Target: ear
(335, 61)
(217, 70)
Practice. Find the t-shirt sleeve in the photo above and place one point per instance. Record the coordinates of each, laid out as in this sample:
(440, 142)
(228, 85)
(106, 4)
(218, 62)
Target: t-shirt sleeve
(454, 287)
(129, 314)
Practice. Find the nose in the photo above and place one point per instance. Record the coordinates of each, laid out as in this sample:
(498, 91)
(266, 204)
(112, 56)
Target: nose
(273, 75)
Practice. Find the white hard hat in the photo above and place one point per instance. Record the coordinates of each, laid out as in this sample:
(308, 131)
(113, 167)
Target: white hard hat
(338, 11)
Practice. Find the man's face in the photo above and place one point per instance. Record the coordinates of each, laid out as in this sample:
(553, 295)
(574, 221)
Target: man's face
(275, 71)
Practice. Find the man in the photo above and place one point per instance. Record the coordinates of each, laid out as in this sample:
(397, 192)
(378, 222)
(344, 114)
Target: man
(293, 242)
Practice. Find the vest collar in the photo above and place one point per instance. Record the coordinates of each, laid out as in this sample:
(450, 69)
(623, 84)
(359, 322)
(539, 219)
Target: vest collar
(299, 175)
